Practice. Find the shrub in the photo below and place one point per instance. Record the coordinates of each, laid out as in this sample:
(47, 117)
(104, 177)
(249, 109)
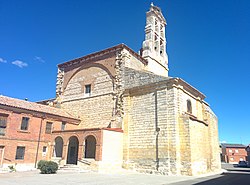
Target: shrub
(47, 167)
(40, 164)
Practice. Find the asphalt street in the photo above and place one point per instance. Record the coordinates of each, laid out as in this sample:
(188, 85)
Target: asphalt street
(233, 176)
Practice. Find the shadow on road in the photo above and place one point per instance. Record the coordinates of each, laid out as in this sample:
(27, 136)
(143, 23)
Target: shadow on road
(238, 170)
(228, 179)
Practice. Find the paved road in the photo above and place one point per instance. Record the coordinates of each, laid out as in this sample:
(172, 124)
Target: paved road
(233, 176)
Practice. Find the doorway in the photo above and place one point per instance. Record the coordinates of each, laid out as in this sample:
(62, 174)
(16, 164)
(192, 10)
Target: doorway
(90, 147)
(72, 150)
(58, 147)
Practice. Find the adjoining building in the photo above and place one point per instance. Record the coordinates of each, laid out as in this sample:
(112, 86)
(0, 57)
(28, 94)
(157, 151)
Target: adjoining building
(233, 153)
(26, 131)
(248, 153)
(124, 111)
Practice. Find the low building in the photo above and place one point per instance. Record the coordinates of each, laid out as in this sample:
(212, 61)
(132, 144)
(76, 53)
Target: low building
(30, 132)
(248, 153)
(26, 131)
(233, 153)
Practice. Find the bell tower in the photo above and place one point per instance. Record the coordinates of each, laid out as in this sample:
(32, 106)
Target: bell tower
(154, 45)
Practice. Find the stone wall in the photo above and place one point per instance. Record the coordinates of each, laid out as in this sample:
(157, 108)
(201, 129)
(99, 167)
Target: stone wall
(145, 132)
(94, 112)
(160, 136)
(212, 121)
(199, 146)
(104, 106)
(200, 129)
(94, 109)
(136, 78)
(132, 62)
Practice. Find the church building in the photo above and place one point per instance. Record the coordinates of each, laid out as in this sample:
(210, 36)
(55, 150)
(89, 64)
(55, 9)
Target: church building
(116, 109)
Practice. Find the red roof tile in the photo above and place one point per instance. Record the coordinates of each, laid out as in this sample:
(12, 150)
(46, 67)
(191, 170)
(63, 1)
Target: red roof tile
(32, 106)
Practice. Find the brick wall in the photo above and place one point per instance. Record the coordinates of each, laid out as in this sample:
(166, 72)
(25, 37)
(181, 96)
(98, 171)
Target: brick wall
(29, 139)
(234, 155)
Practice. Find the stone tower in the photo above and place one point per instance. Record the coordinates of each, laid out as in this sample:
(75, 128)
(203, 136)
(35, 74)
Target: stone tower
(154, 46)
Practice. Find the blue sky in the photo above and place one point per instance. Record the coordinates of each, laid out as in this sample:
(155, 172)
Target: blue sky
(208, 46)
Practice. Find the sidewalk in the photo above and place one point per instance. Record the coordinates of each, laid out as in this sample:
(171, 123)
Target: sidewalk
(76, 178)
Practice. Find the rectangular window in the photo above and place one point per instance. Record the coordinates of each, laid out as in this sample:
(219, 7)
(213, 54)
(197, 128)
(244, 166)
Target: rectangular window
(63, 125)
(230, 151)
(25, 123)
(48, 127)
(44, 151)
(3, 124)
(236, 151)
(20, 150)
(88, 89)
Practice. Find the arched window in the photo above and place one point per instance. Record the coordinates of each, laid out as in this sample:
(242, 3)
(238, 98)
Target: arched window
(189, 106)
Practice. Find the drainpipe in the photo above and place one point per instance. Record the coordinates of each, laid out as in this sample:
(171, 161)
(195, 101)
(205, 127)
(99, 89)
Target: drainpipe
(157, 130)
(39, 138)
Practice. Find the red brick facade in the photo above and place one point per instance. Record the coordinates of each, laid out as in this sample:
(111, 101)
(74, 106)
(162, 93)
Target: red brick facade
(27, 136)
(233, 154)
(26, 130)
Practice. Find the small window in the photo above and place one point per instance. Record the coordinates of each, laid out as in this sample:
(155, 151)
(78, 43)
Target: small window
(236, 151)
(48, 127)
(20, 150)
(44, 151)
(87, 89)
(25, 123)
(3, 124)
(63, 125)
(230, 151)
(231, 159)
(189, 107)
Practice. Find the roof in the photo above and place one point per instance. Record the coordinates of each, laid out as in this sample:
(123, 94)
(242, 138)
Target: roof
(227, 145)
(32, 106)
(137, 79)
(89, 129)
(89, 57)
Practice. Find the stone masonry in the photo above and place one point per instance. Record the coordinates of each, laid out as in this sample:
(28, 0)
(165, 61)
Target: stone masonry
(167, 126)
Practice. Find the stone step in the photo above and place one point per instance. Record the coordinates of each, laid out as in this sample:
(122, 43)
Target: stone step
(70, 166)
(73, 168)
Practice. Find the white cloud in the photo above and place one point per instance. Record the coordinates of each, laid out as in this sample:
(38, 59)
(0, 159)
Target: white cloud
(39, 59)
(2, 60)
(20, 64)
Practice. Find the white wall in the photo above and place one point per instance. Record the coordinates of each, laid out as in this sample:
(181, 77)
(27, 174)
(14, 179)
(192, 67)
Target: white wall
(112, 146)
